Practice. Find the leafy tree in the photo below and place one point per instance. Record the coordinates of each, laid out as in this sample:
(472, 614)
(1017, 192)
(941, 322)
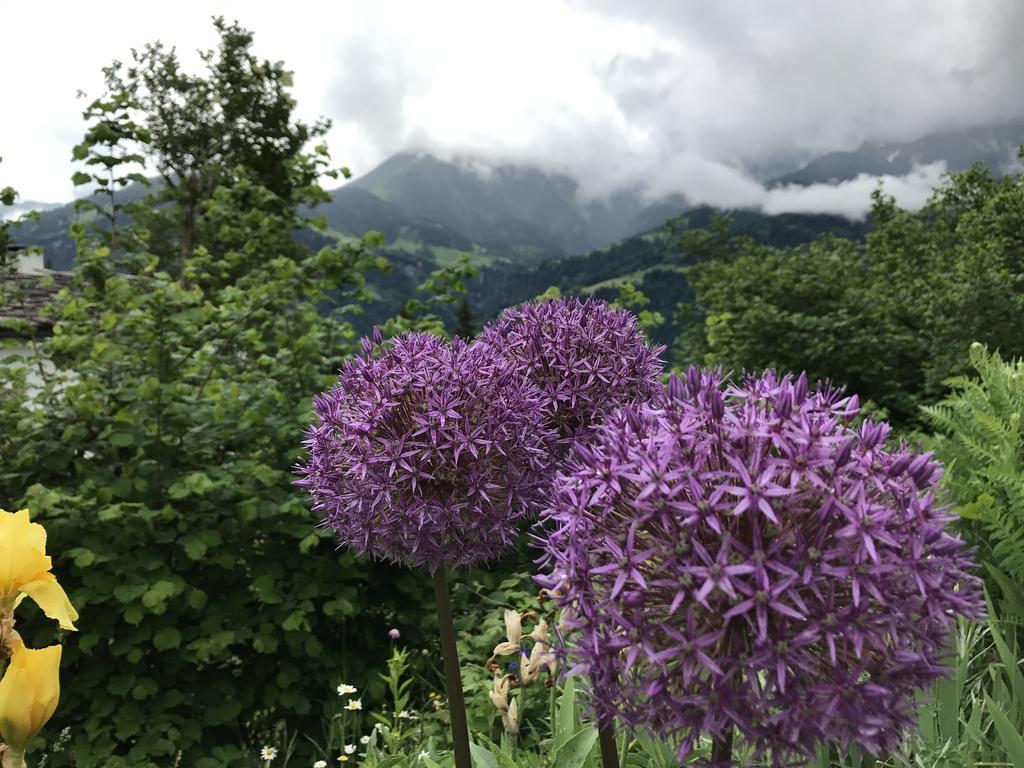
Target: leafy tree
(630, 297)
(159, 455)
(195, 131)
(887, 317)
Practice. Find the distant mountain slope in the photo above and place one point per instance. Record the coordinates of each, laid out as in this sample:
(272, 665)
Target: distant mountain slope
(519, 210)
(21, 207)
(652, 261)
(995, 146)
(528, 230)
(354, 211)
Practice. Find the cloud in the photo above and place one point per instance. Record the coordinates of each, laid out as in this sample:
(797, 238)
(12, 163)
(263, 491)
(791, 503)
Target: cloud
(703, 99)
(852, 198)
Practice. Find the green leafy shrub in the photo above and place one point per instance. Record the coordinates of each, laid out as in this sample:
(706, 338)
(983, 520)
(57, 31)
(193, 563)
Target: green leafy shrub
(887, 317)
(155, 431)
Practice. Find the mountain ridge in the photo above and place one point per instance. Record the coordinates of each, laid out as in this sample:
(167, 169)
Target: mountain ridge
(541, 212)
(528, 230)
(993, 145)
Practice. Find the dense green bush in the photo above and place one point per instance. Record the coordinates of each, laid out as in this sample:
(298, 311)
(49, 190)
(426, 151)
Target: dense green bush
(159, 460)
(155, 432)
(890, 317)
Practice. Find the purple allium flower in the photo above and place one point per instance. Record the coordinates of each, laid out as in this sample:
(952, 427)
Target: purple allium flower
(742, 557)
(394, 634)
(588, 358)
(427, 454)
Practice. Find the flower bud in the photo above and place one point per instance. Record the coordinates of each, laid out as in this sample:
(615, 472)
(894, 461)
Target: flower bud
(29, 692)
(693, 380)
(676, 388)
(800, 388)
(717, 405)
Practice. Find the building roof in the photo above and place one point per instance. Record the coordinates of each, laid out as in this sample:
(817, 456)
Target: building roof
(25, 296)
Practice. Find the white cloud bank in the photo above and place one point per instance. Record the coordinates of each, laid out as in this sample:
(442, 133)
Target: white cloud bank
(691, 97)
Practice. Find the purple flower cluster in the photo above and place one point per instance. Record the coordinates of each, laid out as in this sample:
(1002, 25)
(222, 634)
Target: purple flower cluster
(427, 452)
(741, 557)
(587, 358)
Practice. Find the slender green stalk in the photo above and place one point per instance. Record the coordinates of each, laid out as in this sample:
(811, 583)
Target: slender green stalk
(721, 750)
(452, 676)
(606, 738)
(522, 704)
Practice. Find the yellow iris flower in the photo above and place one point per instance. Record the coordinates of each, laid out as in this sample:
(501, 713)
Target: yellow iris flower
(28, 694)
(25, 570)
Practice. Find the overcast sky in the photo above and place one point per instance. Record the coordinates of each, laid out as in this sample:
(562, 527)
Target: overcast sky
(693, 97)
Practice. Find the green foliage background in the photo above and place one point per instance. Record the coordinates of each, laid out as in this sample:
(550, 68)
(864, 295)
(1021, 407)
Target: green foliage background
(892, 317)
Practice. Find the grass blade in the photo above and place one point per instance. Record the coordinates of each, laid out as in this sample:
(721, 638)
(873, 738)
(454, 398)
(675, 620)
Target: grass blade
(1012, 740)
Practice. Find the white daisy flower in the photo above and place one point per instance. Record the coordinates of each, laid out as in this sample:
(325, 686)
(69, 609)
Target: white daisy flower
(320, 764)
(268, 753)
(364, 740)
(350, 748)
(345, 689)
(354, 704)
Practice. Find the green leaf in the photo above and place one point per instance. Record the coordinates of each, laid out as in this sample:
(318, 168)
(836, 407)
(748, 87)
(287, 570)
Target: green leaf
(482, 757)
(194, 546)
(120, 684)
(296, 620)
(158, 594)
(133, 614)
(1012, 740)
(947, 709)
(122, 439)
(144, 689)
(1013, 595)
(80, 178)
(566, 721)
(1011, 670)
(83, 557)
(503, 759)
(574, 752)
(166, 638)
(222, 712)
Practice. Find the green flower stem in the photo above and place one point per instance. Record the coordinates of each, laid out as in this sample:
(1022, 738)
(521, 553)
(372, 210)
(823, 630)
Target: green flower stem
(522, 703)
(453, 678)
(721, 750)
(606, 738)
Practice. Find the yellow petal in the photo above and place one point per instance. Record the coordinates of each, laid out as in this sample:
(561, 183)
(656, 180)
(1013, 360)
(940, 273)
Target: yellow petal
(50, 596)
(17, 524)
(29, 692)
(22, 552)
